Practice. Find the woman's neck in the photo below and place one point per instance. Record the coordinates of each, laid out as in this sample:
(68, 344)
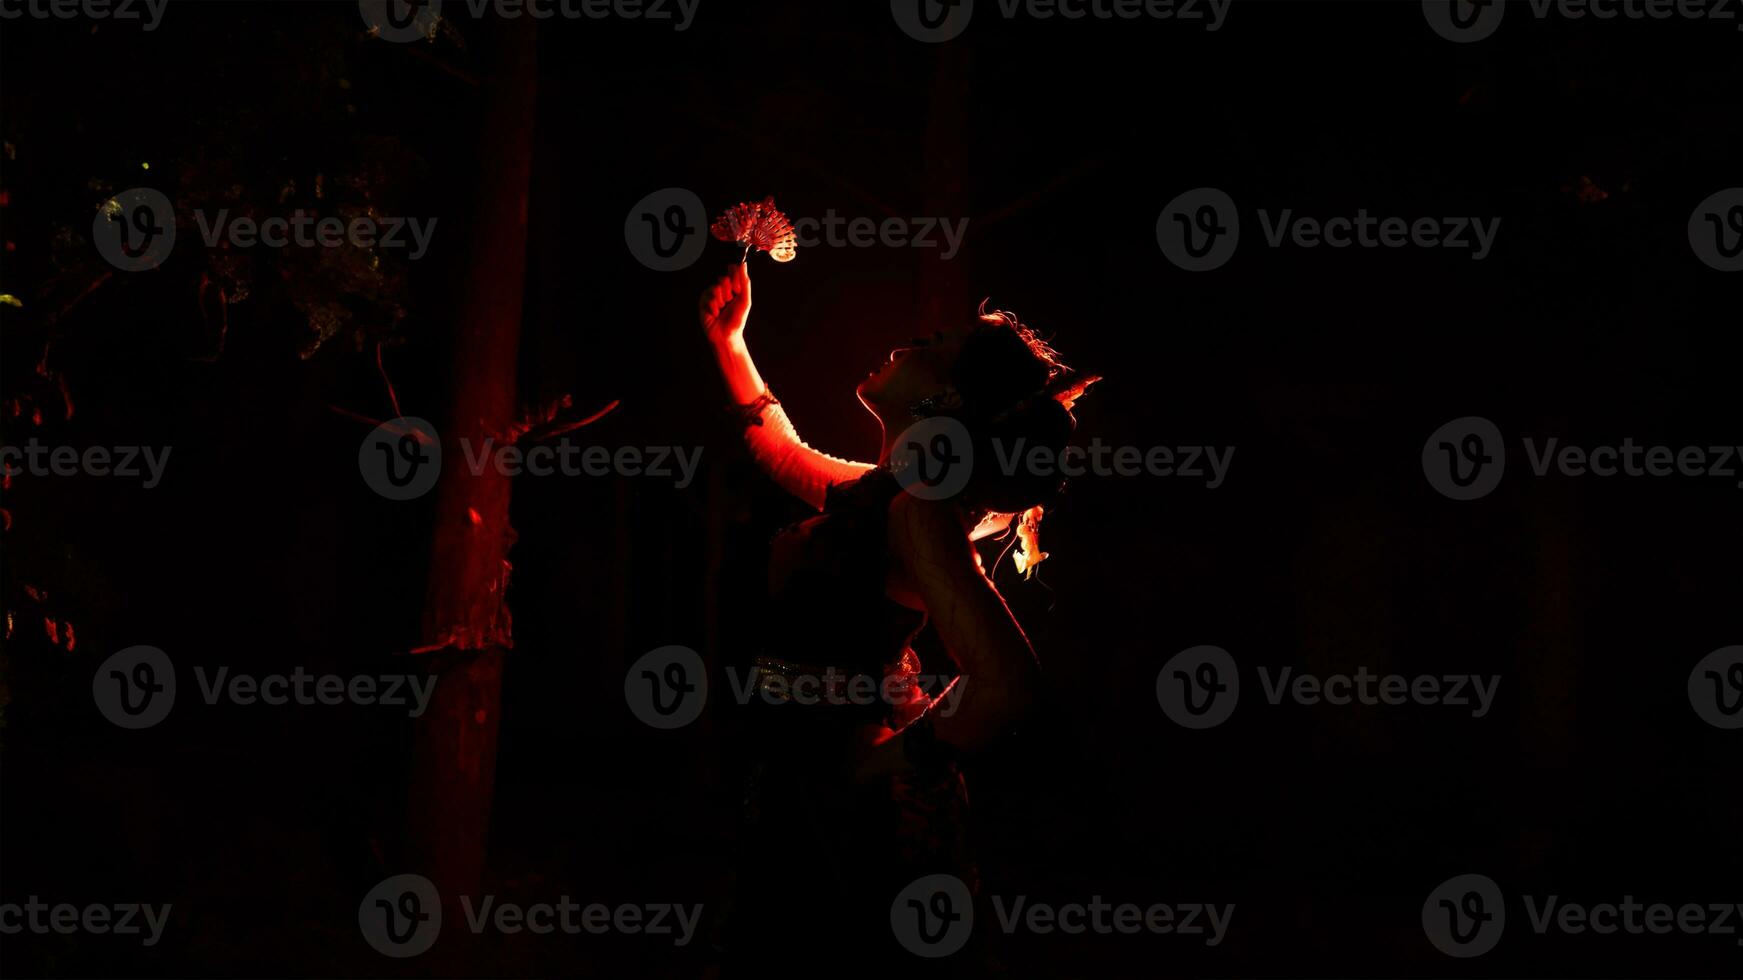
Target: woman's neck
(887, 437)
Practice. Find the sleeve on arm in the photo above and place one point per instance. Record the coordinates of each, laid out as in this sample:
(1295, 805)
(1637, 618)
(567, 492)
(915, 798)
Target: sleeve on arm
(800, 470)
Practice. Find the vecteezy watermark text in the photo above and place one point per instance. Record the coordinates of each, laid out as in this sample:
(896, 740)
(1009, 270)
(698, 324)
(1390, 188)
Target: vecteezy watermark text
(122, 919)
(401, 459)
(1200, 229)
(836, 231)
(303, 230)
(135, 230)
(935, 458)
(668, 230)
(149, 11)
(668, 687)
(1465, 21)
(1466, 458)
(123, 462)
(402, 917)
(933, 917)
(1199, 688)
(136, 688)
(1466, 916)
(572, 918)
(935, 21)
(564, 459)
(1102, 459)
(403, 21)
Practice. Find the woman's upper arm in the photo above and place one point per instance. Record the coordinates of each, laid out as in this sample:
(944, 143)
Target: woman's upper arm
(998, 667)
(798, 469)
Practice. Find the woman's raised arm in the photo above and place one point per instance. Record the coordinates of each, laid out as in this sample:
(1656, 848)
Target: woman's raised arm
(800, 470)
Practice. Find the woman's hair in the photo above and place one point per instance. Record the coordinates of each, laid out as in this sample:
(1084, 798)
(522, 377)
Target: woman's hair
(1016, 397)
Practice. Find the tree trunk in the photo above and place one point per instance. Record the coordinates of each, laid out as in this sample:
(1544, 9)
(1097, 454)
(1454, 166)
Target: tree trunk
(467, 628)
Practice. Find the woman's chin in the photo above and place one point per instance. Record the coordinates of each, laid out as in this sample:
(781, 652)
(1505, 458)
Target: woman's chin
(868, 396)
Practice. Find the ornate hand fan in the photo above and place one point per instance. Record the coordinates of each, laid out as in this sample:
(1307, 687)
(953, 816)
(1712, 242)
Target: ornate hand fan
(759, 226)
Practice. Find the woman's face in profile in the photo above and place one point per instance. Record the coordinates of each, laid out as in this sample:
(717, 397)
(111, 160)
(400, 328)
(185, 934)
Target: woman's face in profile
(921, 369)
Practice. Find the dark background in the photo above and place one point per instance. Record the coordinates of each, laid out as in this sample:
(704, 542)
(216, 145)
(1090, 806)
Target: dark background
(1061, 142)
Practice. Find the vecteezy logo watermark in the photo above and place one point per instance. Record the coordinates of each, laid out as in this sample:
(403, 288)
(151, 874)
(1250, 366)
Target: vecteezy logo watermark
(667, 687)
(135, 230)
(934, 21)
(123, 919)
(1716, 230)
(564, 459)
(667, 230)
(402, 916)
(933, 917)
(401, 21)
(1464, 459)
(833, 686)
(136, 688)
(934, 458)
(1716, 688)
(1199, 687)
(151, 11)
(63, 461)
(1465, 916)
(1200, 230)
(417, 20)
(1464, 21)
(401, 458)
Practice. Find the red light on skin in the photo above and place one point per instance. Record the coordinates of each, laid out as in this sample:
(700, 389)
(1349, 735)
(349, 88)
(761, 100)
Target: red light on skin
(479, 716)
(71, 640)
(52, 629)
(472, 512)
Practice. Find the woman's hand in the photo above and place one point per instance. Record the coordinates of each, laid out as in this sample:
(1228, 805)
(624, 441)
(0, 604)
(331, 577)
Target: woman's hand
(725, 306)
